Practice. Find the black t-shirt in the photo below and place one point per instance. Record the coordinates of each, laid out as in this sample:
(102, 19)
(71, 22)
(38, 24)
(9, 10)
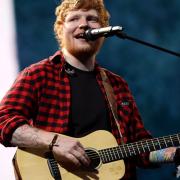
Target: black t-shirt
(89, 111)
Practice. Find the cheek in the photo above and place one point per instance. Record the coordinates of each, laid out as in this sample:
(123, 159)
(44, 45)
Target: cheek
(95, 25)
(66, 38)
(67, 35)
(68, 28)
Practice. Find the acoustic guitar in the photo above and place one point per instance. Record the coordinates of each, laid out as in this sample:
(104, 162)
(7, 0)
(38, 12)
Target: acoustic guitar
(101, 147)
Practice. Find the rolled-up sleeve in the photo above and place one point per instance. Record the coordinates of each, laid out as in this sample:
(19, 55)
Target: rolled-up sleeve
(17, 107)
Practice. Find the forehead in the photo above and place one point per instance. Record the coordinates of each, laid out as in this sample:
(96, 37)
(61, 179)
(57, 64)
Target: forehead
(83, 12)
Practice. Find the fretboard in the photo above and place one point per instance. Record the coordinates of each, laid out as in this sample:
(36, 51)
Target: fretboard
(133, 149)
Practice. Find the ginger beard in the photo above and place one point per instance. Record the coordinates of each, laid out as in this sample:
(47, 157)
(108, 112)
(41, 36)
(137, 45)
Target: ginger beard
(81, 48)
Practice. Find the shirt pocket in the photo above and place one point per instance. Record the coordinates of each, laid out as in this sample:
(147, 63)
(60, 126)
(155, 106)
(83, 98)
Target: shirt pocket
(125, 108)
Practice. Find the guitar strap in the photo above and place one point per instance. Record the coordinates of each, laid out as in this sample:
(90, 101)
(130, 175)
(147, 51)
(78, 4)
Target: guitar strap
(111, 100)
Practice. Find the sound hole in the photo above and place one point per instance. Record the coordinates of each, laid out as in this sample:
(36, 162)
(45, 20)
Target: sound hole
(94, 157)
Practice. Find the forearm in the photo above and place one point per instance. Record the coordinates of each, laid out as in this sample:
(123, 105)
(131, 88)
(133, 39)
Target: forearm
(162, 156)
(31, 137)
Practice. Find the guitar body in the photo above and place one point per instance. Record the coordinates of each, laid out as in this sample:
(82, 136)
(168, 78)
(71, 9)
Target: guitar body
(32, 166)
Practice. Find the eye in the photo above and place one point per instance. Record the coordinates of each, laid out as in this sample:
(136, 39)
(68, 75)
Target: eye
(74, 18)
(93, 19)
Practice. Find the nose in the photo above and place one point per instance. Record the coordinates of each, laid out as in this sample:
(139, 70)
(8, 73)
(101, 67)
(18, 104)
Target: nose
(83, 24)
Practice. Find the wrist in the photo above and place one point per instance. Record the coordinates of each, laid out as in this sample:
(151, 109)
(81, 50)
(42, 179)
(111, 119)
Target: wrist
(51, 145)
(53, 142)
(163, 155)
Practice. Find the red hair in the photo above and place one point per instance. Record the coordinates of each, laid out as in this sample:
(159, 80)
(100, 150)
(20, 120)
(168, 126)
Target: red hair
(69, 5)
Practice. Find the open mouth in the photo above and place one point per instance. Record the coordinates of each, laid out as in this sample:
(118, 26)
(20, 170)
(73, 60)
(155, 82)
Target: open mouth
(80, 36)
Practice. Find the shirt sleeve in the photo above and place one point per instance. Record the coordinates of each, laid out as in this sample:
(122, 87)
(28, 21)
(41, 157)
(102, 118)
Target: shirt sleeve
(17, 107)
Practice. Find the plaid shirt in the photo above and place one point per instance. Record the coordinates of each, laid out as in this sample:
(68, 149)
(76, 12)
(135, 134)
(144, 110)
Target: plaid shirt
(41, 97)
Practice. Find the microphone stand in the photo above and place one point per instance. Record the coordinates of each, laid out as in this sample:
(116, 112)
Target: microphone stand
(123, 35)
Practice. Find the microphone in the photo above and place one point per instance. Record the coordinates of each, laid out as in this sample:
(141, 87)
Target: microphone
(93, 34)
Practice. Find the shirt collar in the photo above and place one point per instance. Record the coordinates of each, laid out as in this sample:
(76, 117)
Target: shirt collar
(58, 60)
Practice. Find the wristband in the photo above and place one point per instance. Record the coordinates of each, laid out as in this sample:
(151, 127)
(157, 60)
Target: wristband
(53, 142)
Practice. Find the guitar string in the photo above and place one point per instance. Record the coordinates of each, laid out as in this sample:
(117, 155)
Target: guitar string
(145, 142)
(151, 142)
(154, 142)
(115, 150)
(141, 143)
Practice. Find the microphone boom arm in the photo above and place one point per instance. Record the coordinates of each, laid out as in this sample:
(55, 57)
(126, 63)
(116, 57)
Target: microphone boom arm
(123, 35)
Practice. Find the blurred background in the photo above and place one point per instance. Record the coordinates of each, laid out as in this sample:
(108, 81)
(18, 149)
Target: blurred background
(153, 76)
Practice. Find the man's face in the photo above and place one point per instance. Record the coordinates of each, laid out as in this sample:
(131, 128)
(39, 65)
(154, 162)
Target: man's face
(75, 24)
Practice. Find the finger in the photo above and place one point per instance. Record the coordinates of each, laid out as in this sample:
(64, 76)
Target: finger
(81, 149)
(73, 159)
(80, 155)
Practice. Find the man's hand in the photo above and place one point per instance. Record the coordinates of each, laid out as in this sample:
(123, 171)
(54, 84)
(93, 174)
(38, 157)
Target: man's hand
(70, 153)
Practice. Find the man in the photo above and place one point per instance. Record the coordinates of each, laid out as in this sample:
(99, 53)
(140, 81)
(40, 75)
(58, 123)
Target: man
(64, 94)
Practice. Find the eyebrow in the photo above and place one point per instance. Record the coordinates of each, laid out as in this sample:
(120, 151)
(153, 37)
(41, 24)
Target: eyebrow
(79, 15)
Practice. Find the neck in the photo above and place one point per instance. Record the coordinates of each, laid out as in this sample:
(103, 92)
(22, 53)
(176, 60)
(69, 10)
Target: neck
(83, 63)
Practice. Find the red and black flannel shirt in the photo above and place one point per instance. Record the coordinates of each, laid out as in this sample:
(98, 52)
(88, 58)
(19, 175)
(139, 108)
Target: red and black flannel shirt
(41, 97)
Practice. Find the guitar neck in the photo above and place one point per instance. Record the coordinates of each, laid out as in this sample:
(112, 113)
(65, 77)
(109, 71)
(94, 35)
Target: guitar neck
(133, 149)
